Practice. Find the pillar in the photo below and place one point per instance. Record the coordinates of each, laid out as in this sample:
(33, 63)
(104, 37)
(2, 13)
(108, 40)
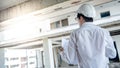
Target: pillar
(48, 53)
(2, 58)
(56, 57)
(39, 58)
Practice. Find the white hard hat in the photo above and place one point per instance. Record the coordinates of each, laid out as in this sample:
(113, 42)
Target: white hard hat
(87, 10)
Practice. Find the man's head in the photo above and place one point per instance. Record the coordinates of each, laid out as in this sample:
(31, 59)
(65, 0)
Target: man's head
(86, 13)
(82, 19)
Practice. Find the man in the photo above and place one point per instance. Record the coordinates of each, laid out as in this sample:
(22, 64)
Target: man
(89, 46)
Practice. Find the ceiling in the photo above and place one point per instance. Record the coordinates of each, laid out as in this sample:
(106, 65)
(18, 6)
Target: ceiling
(9, 3)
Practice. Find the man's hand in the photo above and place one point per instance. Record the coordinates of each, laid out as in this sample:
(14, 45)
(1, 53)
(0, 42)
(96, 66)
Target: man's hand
(61, 49)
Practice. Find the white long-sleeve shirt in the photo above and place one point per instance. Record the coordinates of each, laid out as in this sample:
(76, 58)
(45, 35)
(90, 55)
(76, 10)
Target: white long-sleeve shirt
(89, 46)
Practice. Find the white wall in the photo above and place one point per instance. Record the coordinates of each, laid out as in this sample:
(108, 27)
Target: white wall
(71, 19)
(1, 37)
(33, 31)
(113, 7)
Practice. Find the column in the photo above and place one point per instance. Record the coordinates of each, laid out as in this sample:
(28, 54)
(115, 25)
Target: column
(47, 45)
(39, 58)
(2, 58)
(56, 57)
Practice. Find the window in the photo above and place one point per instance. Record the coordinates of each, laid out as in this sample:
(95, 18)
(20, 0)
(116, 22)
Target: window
(105, 14)
(64, 22)
(58, 24)
(14, 58)
(32, 57)
(32, 62)
(13, 66)
(52, 25)
(23, 58)
(23, 65)
(55, 25)
(21, 61)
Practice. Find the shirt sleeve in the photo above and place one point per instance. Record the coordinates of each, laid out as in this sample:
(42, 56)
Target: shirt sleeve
(69, 54)
(110, 49)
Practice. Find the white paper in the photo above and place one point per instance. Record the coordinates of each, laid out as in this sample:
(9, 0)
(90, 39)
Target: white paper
(64, 42)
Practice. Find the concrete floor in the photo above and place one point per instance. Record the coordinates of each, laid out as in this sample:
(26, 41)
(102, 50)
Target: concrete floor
(69, 67)
(112, 65)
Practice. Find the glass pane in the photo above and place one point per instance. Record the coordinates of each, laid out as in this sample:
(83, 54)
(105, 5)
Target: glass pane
(52, 25)
(20, 58)
(57, 24)
(105, 14)
(64, 22)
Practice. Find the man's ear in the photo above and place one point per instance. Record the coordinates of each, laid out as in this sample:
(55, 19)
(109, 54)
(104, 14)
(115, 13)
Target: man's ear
(81, 18)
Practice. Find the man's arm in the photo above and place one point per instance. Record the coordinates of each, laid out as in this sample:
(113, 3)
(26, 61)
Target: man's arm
(69, 51)
(110, 49)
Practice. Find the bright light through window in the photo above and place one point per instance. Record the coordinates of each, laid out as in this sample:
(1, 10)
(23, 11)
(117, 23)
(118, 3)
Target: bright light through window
(26, 28)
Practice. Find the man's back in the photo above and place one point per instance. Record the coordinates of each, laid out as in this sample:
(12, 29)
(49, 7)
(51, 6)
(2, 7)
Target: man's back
(90, 47)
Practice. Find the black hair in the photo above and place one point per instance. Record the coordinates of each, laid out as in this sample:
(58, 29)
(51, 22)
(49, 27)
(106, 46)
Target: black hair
(87, 19)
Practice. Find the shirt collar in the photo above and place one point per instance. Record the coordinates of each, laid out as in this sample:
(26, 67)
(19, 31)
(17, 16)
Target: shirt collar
(87, 23)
